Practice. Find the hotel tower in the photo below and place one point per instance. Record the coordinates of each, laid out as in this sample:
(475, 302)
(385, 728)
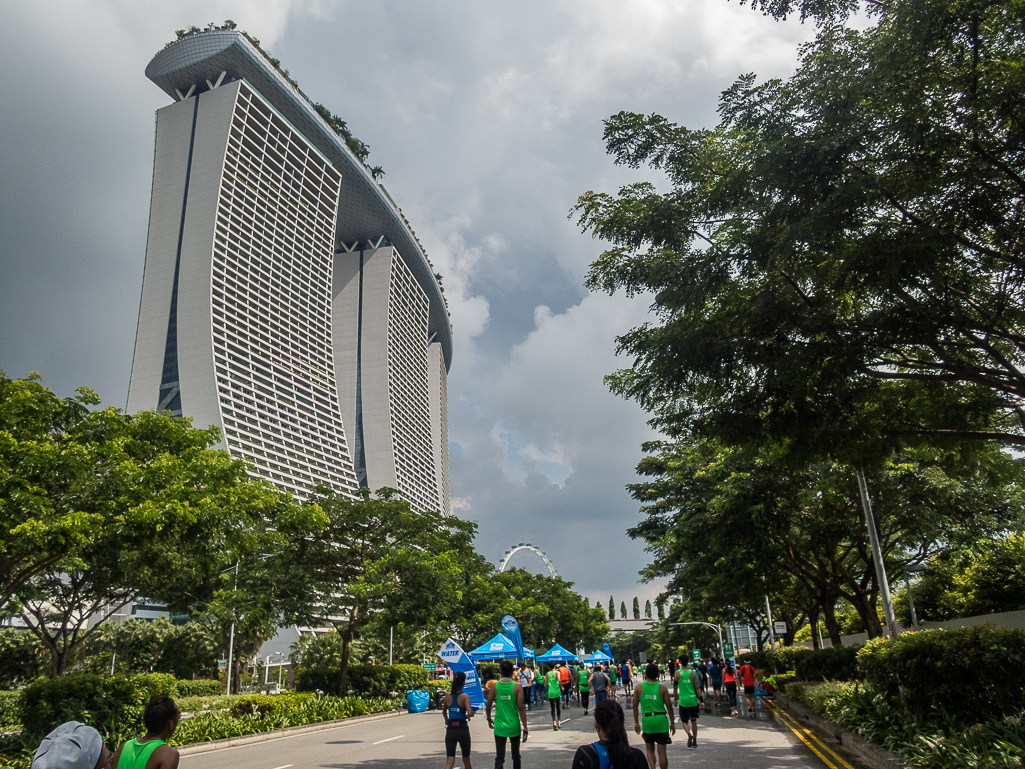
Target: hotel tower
(285, 299)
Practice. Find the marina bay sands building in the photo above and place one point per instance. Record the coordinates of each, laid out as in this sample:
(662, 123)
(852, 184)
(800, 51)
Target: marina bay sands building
(285, 298)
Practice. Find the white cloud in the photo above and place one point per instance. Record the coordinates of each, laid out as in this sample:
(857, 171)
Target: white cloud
(487, 119)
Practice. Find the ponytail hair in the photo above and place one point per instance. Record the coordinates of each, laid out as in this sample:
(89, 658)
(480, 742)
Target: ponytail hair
(458, 682)
(608, 714)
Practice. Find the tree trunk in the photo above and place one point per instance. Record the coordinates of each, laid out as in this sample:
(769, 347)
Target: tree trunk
(832, 626)
(343, 677)
(866, 609)
(813, 623)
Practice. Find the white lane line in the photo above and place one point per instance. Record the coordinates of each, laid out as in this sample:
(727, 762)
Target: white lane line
(388, 740)
(284, 766)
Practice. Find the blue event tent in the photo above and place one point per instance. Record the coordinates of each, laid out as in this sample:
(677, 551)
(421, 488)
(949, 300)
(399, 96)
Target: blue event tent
(558, 654)
(498, 648)
(598, 657)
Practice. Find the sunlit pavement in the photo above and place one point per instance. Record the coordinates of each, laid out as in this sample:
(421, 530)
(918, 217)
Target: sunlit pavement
(404, 742)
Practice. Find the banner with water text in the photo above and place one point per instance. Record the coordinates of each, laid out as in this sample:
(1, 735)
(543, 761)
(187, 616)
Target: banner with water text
(454, 656)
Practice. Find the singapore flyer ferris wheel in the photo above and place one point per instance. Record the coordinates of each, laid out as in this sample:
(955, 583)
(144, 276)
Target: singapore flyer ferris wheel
(527, 553)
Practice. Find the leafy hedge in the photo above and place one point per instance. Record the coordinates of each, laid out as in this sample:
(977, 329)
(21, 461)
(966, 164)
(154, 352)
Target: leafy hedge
(112, 704)
(289, 710)
(956, 674)
(837, 663)
(992, 743)
(201, 687)
(784, 657)
(262, 704)
(363, 680)
(10, 710)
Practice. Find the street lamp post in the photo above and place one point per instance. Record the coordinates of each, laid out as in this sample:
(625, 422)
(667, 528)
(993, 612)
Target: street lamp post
(717, 628)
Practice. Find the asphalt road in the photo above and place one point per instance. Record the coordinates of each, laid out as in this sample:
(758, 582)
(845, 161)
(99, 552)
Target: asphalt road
(409, 741)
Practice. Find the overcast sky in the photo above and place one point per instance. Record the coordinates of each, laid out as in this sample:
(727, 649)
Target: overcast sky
(487, 119)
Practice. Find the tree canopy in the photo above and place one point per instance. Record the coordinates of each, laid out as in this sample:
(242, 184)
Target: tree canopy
(837, 264)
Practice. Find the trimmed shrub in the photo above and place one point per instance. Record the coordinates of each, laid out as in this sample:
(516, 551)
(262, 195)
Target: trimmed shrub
(958, 674)
(10, 713)
(363, 680)
(784, 657)
(439, 683)
(262, 704)
(111, 704)
(201, 687)
(838, 663)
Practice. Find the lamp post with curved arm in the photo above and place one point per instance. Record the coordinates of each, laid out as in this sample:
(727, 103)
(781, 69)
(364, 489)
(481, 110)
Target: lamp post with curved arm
(717, 628)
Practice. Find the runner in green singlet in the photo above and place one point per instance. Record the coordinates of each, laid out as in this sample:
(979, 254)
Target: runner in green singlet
(583, 687)
(555, 697)
(653, 712)
(687, 691)
(510, 715)
(152, 751)
(613, 675)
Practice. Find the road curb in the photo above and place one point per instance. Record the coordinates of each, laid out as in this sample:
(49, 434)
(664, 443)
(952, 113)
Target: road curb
(867, 752)
(277, 734)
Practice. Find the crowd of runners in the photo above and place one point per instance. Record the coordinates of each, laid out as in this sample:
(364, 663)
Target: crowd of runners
(645, 689)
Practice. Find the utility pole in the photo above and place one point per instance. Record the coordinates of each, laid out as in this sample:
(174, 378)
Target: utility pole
(391, 643)
(877, 555)
(231, 638)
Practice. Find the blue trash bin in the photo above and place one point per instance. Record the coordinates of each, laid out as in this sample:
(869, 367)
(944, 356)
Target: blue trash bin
(418, 700)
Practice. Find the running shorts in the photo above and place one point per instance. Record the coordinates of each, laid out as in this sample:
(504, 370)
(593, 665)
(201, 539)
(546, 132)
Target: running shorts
(689, 713)
(662, 738)
(457, 735)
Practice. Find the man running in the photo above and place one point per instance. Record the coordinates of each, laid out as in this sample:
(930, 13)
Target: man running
(510, 715)
(566, 682)
(152, 751)
(715, 678)
(624, 673)
(555, 697)
(686, 685)
(748, 676)
(653, 716)
(599, 683)
(584, 687)
(612, 680)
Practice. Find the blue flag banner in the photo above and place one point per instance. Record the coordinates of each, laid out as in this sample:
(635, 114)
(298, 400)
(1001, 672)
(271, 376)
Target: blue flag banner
(454, 656)
(605, 648)
(512, 629)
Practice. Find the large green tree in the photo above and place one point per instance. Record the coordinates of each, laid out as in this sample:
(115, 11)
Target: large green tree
(726, 526)
(375, 557)
(100, 507)
(836, 265)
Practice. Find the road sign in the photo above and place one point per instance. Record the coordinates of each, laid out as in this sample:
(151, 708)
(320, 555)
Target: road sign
(222, 665)
(696, 654)
(780, 627)
(430, 666)
(727, 649)
(643, 657)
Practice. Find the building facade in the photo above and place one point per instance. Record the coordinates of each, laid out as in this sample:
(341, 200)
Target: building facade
(285, 299)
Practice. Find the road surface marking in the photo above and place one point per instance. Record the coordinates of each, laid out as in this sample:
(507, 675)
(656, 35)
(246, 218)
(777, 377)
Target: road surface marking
(284, 766)
(796, 728)
(389, 739)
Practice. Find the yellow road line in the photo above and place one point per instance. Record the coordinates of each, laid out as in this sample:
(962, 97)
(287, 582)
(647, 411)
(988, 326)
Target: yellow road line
(796, 728)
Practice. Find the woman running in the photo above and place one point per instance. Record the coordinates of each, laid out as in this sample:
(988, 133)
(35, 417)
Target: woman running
(612, 750)
(457, 710)
(729, 678)
(555, 697)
